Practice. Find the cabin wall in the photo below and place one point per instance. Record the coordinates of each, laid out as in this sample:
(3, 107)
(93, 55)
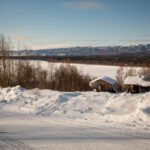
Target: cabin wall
(136, 89)
(132, 88)
(102, 86)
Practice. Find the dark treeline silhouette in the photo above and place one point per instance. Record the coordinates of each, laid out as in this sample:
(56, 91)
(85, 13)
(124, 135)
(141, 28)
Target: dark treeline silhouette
(127, 59)
(117, 60)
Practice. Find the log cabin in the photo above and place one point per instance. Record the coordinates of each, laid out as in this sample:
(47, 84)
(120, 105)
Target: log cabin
(105, 84)
(137, 84)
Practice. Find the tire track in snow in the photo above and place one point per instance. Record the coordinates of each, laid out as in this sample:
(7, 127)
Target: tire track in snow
(7, 143)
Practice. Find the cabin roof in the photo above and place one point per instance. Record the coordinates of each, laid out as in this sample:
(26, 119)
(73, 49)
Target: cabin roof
(106, 79)
(134, 80)
(137, 80)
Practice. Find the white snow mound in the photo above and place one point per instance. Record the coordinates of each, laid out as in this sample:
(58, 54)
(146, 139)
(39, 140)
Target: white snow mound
(98, 107)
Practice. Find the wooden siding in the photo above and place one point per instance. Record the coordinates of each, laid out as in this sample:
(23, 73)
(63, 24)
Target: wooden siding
(136, 89)
(101, 85)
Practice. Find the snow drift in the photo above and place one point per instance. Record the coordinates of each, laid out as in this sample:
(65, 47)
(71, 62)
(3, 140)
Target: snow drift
(125, 108)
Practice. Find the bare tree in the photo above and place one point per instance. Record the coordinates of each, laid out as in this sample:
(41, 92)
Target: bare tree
(68, 78)
(144, 71)
(5, 63)
(131, 72)
(120, 76)
(22, 72)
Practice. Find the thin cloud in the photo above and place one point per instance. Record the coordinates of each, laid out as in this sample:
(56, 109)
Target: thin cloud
(85, 5)
(138, 41)
(22, 37)
(65, 44)
(51, 45)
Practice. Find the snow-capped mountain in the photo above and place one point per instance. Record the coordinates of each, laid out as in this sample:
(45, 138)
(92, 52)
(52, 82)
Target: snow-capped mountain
(85, 51)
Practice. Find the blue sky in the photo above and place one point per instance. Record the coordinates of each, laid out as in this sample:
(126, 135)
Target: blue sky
(66, 23)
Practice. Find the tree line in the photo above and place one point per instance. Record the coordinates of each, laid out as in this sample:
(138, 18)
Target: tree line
(66, 77)
(23, 73)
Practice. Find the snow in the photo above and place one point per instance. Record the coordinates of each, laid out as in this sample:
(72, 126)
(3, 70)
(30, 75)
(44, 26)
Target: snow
(132, 80)
(74, 120)
(92, 70)
(136, 80)
(95, 71)
(27, 132)
(98, 107)
(144, 83)
(46, 119)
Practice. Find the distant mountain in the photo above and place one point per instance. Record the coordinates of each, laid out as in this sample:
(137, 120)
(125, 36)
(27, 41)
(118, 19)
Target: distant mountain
(86, 51)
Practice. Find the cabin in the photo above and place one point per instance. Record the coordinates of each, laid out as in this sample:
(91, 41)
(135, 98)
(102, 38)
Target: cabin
(137, 84)
(105, 83)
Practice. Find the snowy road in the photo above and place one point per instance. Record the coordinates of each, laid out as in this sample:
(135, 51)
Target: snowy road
(27, 132)
(10, 144)
(51, 120)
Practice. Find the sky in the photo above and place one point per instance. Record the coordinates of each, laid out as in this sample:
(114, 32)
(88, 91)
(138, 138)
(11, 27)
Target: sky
(45, 24)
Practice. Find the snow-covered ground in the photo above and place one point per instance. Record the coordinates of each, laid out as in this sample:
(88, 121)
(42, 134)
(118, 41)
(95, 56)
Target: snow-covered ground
(45, 119)
(90, 69)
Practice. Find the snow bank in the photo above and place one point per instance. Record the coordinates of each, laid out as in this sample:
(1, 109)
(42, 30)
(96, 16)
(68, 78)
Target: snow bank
(10, 95)
(90, 106)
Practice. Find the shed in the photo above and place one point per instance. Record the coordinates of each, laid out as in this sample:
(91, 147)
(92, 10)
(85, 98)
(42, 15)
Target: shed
(104, 84)
(137, 84)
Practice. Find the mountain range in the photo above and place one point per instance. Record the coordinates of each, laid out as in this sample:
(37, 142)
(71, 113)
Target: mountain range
(86, 51)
